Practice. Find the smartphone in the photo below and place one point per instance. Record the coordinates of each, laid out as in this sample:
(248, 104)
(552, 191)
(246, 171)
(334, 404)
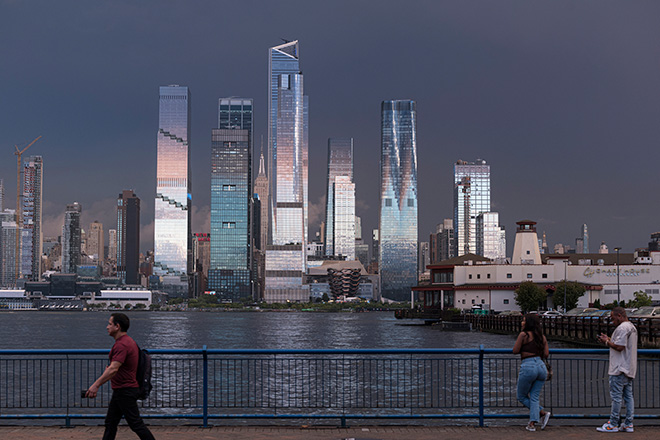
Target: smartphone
(82, 393)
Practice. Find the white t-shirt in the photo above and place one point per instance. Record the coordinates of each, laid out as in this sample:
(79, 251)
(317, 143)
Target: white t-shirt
(624, 362)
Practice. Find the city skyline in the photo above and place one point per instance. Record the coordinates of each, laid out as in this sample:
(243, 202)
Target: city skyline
(572, 117)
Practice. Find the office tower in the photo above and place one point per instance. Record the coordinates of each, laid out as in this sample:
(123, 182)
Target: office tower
(375, 245)
(491, 239)
(398, 199)
(358, 228)
(424, 257)
(8, 233)
(585, 240)
(2, 196)
(31, 235)
(112, 245)
(202, 252)
(288, 175)
(340, 163)
(471, 198)
(71, 238)
(230, 272)
(261, 188)
(343, 190)
(172, 233)
(441, 242)
(128, 237)
(95, 242)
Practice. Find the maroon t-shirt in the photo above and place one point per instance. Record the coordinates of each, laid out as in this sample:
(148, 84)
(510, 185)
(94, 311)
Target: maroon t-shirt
(125, 350)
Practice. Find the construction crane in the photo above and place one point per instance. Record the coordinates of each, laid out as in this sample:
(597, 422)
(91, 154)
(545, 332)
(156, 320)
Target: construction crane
(19, 210)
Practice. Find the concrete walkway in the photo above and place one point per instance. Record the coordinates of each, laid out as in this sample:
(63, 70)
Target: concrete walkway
(324, 433)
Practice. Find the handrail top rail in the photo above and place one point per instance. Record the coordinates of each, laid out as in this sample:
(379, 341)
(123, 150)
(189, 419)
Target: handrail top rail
(366, 351)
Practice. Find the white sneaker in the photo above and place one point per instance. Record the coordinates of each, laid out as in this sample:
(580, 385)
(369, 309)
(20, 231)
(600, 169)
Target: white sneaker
(546, 417)
(531, 428)
(608, 427)
(626, 428)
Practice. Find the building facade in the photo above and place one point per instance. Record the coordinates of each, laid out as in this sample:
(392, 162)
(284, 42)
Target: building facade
(491, 237)
(128, 237)
(71, 238)
(343, 217)
(285, 264)
(172, 228)
(8, 233)
(261, 189)
(96, 242)
(471, 198)
(31, 234)
(340, 163)
(229, 274)
(398, 199)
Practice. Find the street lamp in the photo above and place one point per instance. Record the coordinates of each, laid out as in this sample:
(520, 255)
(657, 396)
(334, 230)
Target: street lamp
(618, 288)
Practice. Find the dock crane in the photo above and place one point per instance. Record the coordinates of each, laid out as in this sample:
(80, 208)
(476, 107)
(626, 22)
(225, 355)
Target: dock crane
(19, 210)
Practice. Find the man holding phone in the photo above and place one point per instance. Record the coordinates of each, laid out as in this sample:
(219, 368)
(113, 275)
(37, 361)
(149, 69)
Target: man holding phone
(121, 373)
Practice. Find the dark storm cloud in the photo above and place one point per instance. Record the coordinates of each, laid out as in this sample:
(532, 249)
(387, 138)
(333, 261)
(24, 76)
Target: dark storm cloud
(560, 97)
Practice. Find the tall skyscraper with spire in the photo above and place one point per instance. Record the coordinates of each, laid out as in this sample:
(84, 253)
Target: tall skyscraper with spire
(398, 199)
(340, 163)
(261, 188)
(230, 267)
(288, 175)
(172, 228)
(31, 234)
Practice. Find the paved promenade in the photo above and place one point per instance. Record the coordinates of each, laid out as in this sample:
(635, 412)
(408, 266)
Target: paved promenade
(325, 433)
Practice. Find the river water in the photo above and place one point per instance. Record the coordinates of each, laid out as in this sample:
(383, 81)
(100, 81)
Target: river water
(235, 330)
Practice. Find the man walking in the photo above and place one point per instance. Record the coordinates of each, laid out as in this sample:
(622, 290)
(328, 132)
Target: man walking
(121, 373)
(623, 366)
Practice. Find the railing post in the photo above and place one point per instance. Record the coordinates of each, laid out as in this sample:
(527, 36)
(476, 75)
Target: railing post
(481, 385)
(205, 382)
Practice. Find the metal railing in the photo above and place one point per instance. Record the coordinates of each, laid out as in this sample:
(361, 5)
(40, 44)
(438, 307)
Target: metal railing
(418, 384)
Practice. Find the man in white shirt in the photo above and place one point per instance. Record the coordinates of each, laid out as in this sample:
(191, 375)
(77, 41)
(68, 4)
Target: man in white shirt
(623, 366)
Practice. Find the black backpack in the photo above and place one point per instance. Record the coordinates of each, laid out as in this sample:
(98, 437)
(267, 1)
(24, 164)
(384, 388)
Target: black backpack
(143, 375)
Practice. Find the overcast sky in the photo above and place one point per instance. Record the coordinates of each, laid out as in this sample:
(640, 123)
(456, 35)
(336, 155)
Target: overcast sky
(561, 98)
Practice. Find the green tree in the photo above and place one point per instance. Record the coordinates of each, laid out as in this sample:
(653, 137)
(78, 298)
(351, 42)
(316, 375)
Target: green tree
(529, 296)
(574, 291)
(642, 299)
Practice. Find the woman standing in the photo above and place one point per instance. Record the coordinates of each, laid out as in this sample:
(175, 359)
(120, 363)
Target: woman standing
(532, 347)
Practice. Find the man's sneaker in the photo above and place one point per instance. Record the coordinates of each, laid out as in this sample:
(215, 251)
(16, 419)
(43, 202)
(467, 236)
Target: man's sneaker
(545, 419)
(608, 427)
(531, 428)
(626, 428)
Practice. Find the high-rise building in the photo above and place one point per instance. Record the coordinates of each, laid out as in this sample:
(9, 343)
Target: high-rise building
(71, 238)
(585, 240)
(230, 272)
(358, 228)
(343, 191)
(424, 257)
(375, 245)
(31, 235)
(112, 245)
(471, 198)
(2, 196)
(8, 255)
(442, 242)
(261, 188)
(172, 229)
(128, 237)
(288, 175)
(202, 252)
(491, 237)
(340, 163)
(96, 242)
(398, 199)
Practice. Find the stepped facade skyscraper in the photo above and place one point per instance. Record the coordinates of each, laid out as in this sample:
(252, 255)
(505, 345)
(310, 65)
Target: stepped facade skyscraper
(31, 234)
(172, 228)
(288, 174)
(398, 199)
(340, 163)
(230, 271)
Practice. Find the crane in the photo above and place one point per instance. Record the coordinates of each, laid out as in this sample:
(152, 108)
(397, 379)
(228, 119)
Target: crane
(19, 211)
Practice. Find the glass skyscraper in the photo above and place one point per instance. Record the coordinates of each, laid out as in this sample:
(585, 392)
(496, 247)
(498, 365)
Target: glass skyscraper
(340, 163)
(288, 174)
(128, 237)
(71, 238)
(491, 237)
(172, 229)
(398, 199)
(229, 273)
(471, 198)
(344, 217)
(31, 234)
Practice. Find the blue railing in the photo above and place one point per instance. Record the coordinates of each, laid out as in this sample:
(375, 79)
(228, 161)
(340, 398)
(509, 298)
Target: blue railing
(419, 384)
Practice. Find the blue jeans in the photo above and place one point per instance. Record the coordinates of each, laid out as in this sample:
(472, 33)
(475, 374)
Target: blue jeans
(621, 386)
(530, 381)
